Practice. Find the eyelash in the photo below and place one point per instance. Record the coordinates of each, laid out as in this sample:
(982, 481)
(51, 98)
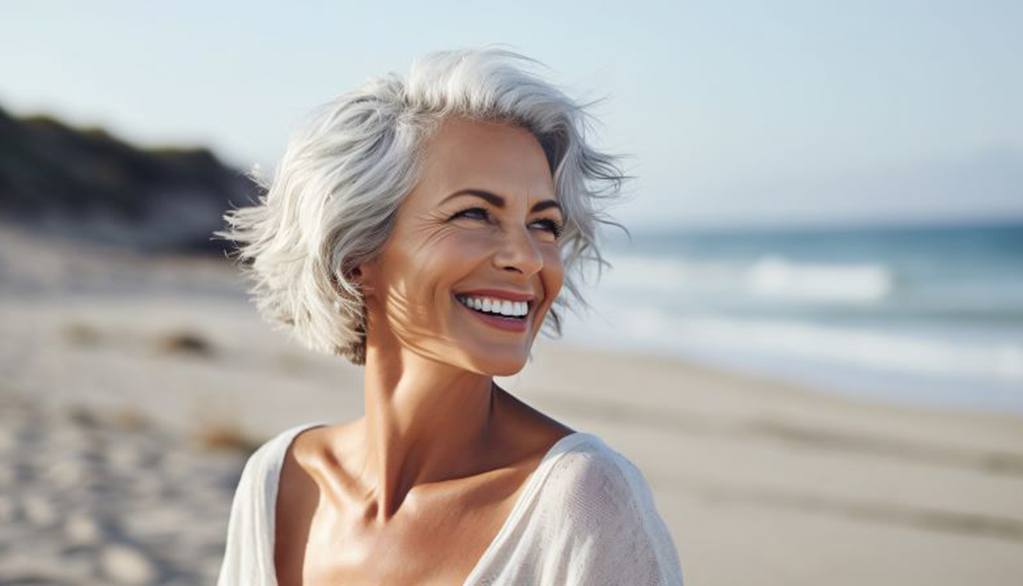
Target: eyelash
(553, 226)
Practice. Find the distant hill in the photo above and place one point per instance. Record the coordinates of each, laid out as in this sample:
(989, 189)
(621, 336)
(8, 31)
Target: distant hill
(85, 183)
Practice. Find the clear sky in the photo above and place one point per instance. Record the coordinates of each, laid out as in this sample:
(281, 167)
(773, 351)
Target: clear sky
(732, 112)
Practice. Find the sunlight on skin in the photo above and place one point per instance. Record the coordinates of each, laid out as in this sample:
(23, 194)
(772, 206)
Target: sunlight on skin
(430, 255)
(430, 415)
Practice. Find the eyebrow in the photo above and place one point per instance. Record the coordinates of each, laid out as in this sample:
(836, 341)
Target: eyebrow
(498, 201)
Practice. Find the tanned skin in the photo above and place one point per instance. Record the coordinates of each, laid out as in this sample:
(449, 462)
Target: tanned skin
(415, 490)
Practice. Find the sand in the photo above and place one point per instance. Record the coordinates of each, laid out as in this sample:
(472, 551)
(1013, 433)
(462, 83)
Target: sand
(132, 390)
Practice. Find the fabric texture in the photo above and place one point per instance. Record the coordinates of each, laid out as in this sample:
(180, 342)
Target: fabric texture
(585, 516)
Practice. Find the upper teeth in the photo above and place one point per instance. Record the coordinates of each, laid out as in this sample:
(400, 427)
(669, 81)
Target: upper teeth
(501, 306)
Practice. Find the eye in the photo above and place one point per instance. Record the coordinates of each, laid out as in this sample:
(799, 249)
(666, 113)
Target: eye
(553, 226)
(485, 215)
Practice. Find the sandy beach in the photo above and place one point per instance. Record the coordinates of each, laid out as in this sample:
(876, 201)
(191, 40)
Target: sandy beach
(133, 389)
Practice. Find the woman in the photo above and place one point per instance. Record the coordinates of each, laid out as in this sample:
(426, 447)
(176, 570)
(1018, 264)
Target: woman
(417, 228)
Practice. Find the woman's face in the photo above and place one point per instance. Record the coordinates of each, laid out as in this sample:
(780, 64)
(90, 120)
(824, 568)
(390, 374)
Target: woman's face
(449, 243)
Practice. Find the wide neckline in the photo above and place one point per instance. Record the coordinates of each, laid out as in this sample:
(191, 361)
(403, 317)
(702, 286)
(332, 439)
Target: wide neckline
(531, 485)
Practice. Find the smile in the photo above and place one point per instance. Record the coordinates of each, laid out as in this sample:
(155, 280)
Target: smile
(501, 314)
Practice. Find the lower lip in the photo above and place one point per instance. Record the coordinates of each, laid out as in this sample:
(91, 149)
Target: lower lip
(503, 323)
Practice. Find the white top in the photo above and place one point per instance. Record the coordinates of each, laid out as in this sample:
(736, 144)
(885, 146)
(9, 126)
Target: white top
(585, 516)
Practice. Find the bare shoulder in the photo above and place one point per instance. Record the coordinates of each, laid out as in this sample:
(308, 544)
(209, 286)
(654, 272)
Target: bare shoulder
(298, 495)
(298, 459)
(314, 462)
(305, 459)
(296, 487)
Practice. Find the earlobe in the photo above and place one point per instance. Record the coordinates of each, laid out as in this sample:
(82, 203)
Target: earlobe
(354, 277)
(361, 275)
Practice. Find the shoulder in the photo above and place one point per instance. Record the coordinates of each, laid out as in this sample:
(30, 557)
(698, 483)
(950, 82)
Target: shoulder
(262, 469)
(596, 479)
(248, 543)
(293, 450)
(299, 452)
(607, 517)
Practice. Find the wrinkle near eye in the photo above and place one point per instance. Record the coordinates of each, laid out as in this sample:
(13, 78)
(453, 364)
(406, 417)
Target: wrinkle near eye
(429, 234)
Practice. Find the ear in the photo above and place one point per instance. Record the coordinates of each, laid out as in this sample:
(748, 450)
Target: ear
(363, 275)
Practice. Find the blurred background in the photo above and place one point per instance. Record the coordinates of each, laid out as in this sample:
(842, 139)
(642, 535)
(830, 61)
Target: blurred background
(812, 343)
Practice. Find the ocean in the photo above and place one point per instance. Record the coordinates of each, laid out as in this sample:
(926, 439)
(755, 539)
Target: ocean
(928, 315)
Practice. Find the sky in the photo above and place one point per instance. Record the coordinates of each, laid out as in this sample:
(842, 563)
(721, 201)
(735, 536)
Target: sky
(728, 113)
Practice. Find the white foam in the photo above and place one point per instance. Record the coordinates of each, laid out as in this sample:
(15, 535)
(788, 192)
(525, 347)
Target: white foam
(768, 278)
(777, 277)
(997, 361)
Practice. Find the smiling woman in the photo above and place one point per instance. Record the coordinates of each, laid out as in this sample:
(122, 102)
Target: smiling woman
(425, 228)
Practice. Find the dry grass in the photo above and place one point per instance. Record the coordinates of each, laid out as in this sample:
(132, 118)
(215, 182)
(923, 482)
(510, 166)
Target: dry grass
(185, 342)
(221, 436)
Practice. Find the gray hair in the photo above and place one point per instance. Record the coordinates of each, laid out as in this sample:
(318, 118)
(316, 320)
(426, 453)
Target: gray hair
(335, 193)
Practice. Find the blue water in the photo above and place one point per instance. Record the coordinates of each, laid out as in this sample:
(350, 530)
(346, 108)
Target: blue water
(920, 314)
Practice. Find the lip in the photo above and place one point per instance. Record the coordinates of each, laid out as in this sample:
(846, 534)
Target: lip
(501, 323)
(499, 294)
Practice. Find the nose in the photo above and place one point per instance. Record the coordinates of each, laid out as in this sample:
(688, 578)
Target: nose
(518, 252)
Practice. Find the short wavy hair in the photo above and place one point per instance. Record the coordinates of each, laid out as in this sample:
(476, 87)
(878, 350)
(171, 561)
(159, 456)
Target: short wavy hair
(335, 193)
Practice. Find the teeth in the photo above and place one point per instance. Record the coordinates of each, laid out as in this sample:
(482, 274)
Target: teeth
(498, 306)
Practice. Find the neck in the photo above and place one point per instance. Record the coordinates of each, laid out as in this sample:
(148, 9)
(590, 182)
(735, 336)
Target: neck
(425, 421)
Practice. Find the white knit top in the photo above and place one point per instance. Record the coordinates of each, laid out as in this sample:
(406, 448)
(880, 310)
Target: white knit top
(585, 516)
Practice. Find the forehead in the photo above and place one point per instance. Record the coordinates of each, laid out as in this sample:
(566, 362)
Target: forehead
(495, 156)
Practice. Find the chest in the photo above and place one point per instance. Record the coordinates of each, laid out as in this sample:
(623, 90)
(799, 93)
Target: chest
(435, 541)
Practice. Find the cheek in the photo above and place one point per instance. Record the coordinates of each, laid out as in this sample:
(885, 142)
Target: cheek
(438, 264)
(553, 273)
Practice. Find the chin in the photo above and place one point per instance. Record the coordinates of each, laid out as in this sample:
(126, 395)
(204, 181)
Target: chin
(493, 366)
(510, 370)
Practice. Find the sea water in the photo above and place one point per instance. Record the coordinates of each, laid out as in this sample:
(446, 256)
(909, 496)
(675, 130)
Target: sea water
(918, 314)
